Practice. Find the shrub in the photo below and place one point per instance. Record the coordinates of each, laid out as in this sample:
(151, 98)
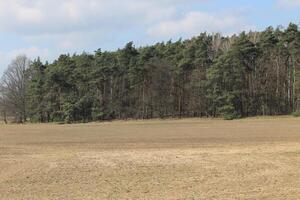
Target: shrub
(231, 116)
(228, 112)
(58, 116)
(296, 114)
(35, 119)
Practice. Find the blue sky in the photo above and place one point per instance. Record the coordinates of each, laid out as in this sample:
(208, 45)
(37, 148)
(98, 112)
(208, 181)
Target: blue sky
(47, 28)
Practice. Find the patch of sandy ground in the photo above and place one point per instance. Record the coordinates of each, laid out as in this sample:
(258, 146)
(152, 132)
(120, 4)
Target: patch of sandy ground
(172, 159)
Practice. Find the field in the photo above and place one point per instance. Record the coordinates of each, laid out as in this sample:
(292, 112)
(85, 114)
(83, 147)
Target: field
(171, 159)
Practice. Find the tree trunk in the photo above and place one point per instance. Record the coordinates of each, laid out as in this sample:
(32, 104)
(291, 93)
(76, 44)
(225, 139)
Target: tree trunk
(4, 117)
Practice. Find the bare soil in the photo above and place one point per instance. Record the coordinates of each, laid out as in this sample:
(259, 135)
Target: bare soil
(157, 159)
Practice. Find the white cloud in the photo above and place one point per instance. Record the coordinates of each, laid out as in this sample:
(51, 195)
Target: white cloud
(288, 4)
(192, 23)
(56, 16)
(32, 53)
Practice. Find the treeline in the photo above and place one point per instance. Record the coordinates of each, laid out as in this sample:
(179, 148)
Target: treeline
(249, 74)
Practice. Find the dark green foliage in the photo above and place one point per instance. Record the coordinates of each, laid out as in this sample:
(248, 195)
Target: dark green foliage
(255, 73)
(296, 114)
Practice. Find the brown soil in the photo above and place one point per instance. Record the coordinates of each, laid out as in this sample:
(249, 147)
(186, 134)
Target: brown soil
(169, 159)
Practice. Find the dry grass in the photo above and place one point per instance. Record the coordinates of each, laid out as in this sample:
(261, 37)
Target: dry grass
(171, 159)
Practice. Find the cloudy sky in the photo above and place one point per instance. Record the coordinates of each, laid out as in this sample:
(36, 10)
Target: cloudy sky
(47, 28)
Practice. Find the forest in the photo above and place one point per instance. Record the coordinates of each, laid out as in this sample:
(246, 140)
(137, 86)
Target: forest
(211, 75)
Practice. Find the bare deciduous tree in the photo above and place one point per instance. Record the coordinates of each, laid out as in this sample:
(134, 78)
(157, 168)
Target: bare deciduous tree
(2, 106)
(13, 89)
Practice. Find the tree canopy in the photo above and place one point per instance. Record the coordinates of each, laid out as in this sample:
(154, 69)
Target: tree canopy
(250, 74)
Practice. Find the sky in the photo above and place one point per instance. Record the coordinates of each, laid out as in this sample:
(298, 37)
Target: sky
(48, 28)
